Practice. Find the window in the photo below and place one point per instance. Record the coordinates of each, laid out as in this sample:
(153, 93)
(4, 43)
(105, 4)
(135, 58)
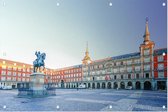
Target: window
(8, 78)
(118, 76)
(137, 61)
(98, 72)
(14, 73)
(9, 68)
(122, 69)
(23, 79)
(137, 68)
(115, 77)
(129, 69)
(109, 70)
(24, 75)
(124, 62)
(147, 67)
(9, 73)
(108, 65)
(147, 75)
(147, 59)
(103, 71)
(160, 58)
(160, 66)
(19, 79)
(3, 72)
(129, 76)
(14, 68)
(3, 67)
(129, 62)
(118, 63)
(3, 62)
(121, 76)
(160, 74)
(146, 52)
(115, 70)
(100, 66)
(14, 79)
(95, 67)
(137, 76)
(19, 74)
(3, 78)
(19, 69)
(24, 70)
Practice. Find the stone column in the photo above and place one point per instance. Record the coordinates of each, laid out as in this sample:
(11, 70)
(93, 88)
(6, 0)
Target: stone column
(126, 84)
(112, 85)
(133, 84)
(90, 84)
(118, 84)
(65, 85)
(142, 85)
(70, 85)
(95, 85)
(106, 86)
(100, 85)
(156, 85)
(153, 85)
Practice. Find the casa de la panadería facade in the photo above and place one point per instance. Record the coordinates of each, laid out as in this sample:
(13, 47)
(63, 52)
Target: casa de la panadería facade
(146, 69)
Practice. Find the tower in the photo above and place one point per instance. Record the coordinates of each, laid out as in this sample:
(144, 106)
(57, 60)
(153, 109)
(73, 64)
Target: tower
(86, 59)
(146, 48)
(146, 53)
(147, 34)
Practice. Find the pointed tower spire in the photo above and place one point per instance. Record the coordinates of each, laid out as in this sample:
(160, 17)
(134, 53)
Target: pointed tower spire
(147, 34)
(86, 59)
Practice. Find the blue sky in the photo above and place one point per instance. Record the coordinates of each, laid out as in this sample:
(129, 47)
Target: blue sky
(62, 31)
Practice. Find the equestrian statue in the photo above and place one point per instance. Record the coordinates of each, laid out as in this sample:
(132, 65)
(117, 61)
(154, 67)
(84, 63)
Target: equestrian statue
(39, 62)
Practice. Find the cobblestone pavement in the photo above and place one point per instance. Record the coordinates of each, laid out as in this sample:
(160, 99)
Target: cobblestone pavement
(87, 100)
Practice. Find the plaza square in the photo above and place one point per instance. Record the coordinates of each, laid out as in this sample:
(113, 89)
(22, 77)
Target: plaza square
(83, 55)
(87, 100)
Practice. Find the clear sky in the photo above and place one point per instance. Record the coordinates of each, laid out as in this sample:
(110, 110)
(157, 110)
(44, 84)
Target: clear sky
(60, 28)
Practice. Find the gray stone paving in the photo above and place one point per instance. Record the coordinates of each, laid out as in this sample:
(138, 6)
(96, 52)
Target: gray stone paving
(87, 100)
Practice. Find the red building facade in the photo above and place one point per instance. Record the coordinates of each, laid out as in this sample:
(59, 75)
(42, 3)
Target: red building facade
(160, 68)
(68, 77)
(12, 72)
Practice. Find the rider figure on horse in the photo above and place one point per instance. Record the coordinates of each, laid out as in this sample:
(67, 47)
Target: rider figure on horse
(38, 55)
(39, 61)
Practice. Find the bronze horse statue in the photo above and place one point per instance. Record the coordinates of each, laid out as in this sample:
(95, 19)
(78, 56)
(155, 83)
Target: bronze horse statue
(39, 62)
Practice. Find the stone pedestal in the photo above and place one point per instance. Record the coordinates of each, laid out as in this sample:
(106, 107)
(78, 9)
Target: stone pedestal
(37, 84)
(36, 87)
(37, 81)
